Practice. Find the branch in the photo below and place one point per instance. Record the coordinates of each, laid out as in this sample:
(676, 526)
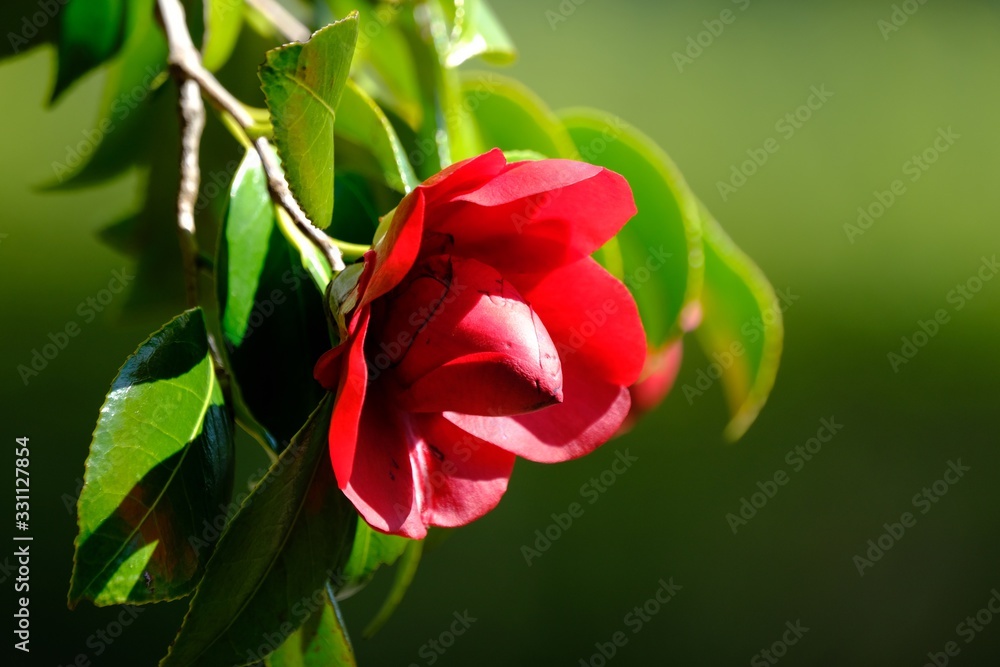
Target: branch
(192, 122)
(282, 19)
(186, 59)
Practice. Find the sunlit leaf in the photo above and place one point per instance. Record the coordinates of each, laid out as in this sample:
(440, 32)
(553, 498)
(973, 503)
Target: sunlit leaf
(510, 116)
(223, 20)
(160, 466)
(741, 321)
(360, 120)
(476, 31)
(661, 247)
(371, 551)
(321, 642)
(302, 85)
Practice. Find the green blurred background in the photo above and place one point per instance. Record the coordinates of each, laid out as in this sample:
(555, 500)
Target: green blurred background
(666, 516)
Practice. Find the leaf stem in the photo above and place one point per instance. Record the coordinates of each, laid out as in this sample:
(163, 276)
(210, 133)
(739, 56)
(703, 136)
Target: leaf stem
(351, 251)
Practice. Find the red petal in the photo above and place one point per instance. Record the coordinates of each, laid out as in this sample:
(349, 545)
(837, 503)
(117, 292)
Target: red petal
(394, 254)
(381, 480)
(537, 215)
(464, 477)
(411, 473)
(473, 344)
(591, 315)
(591, 412)
(463, 176)
(350, 398)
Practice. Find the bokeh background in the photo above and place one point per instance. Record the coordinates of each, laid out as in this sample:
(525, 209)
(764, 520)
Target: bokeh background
(666, 516)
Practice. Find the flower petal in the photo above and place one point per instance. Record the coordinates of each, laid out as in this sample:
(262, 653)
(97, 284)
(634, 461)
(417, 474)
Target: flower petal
(476, 346)
(537, 215)
(590, 315)
(463, 176)
(464, 476)
(394, 254)
(381, 485)
(351, 392)
(591, 412)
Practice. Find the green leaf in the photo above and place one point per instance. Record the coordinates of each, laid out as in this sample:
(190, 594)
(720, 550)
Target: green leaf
(741, 318)
(383, 65)
(476, 31)
(302, 85)
(121, 131)
(371, 551)
(160, 465)
(91, 32)
(405, 572)
(270, 568)
(273, 323)
(321, 642)
(223, 20)
(361, 121)
(661, 246)
(511, 117)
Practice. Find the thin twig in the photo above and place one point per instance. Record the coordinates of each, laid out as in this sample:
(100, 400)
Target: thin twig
(183, 56)
(192, 121)
(282, 19)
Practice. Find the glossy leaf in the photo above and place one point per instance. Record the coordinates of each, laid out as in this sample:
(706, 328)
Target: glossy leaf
(371, 551)
(160, 466)
(321, 642)
(302, 85)
(741, 318)
(511, 117)
(661, 247)
(476, 31)
(273, 323)
(90, 32)
(290, 536)
(223, 20)
(405, 572)
(359, 119)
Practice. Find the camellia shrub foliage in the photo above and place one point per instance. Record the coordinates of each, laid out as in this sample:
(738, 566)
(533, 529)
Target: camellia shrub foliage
(397, 273)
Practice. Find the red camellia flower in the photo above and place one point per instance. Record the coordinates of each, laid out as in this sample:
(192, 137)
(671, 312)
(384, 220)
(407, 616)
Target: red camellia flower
(477, 329)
